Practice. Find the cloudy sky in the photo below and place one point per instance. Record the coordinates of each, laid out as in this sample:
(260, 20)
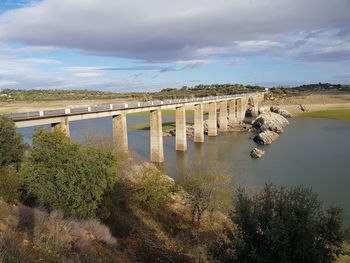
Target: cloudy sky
(138, 45)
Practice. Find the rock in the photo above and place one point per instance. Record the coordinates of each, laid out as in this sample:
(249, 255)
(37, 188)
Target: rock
(266, 137)
(270, 121)
(256, 153)
(280, 111)
(264, 109)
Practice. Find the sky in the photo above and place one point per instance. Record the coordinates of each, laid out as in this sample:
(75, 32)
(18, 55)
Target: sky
(138, 45)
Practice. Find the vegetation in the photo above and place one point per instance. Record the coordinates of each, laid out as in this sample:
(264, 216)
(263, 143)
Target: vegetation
(12, 147)
(68, 176)
(341, 114)
(207, 192)
(281, 225)
(152, 188)
(10, 184)
(100, 206)
(9, 95)
(166, 126)
(311, 88)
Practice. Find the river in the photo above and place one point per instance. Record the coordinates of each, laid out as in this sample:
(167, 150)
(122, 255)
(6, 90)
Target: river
(312, 152)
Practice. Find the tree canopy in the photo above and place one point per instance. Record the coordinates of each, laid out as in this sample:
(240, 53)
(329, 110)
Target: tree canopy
(68, 176)
(11, 144)
(280, 225)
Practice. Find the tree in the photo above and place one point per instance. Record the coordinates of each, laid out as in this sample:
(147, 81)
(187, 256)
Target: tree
(12, 147)
(10, 184)
(152, 188)
(206, 192)
(68, 176)
(281, 225)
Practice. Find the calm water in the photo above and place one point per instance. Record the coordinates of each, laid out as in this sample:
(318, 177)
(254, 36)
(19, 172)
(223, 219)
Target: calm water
(312, 152)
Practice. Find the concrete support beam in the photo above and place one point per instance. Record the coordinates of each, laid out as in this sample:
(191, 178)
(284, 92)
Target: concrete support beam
(63, 125)
(223, 116)
(120, 132)
(198, 123)
(157, 152)
(232, 111)
(181, 140)
(240, 110)
(213, 123)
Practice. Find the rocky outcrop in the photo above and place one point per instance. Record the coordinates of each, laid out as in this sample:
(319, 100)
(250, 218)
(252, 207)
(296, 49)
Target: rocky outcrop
(270, 121)
(266, 137)
(264, 109)
(256, 153)
(281, 112)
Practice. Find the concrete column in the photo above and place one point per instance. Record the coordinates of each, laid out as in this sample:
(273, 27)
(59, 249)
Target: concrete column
(213, 123)
(157, 153)
(232, 111)
(240, 110)
(63, 126)
(198, 123)
(120, 132)
(223, 116)
(181, 140)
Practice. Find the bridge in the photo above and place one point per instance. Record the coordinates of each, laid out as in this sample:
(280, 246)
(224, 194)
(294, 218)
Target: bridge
(222, 109)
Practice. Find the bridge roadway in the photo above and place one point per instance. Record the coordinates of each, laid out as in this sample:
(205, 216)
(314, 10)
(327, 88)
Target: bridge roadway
(232, 109)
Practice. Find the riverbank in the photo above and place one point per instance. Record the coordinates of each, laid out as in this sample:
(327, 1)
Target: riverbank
(339, 114)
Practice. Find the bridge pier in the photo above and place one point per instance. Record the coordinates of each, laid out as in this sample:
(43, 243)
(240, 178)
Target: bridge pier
(213, 123)
(198, 123)
(157, 152)
(120, 132)
(240, 111)
(181, 140)
(223, 116)
(232, 111)
(63, 126)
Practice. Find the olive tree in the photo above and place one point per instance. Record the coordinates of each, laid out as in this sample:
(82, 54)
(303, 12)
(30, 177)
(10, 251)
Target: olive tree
(11, 144)
(281, 225)
(68, 176)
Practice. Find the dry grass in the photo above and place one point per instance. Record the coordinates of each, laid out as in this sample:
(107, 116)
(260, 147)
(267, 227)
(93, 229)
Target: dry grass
(33, 235)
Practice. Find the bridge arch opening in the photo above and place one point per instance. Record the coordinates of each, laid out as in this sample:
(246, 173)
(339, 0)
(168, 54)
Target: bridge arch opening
(250, 107)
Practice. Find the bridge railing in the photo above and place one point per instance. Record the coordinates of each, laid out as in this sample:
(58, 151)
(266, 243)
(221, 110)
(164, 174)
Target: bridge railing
(68, 111)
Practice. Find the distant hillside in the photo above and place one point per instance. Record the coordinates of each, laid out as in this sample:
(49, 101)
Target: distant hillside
(10, 95)
(311, 88)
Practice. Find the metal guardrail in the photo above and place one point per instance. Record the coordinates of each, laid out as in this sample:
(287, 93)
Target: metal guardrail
(68, 111)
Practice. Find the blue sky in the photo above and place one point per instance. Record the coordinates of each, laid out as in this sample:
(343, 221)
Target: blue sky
(135, 45)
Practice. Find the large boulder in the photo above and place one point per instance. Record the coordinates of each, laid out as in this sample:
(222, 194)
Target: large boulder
(266, 137)
(256, 153)
(280, 111)
(264, 109)
(270, 121)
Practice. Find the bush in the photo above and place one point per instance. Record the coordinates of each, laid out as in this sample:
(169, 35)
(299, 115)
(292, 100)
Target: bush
(10, 184)
(68, 176)
(11, 144)
(206, 192)
(280, 225)
(152, 188)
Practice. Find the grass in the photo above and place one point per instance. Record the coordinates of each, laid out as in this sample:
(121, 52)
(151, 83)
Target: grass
(339, 114)
(167, 126)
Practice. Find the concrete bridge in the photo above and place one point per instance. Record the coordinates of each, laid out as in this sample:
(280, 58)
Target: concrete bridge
(222, 109)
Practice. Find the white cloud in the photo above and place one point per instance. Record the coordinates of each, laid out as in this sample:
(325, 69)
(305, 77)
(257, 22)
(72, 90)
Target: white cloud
(88, 74)
(158, 30)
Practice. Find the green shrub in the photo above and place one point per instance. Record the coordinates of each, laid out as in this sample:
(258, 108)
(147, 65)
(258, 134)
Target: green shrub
(152, 188)
(279, 225)
(10, 184)
(68, 176)
(11, 144)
